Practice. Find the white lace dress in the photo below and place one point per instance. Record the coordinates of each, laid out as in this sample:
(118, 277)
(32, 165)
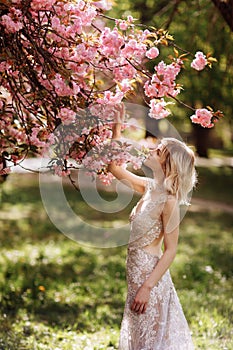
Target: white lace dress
(163, 326)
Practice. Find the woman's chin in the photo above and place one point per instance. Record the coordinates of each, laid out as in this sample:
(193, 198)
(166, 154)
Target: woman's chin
(146, 163)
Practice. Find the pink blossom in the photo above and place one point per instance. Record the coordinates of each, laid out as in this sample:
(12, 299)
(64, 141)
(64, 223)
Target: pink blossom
(123, 25)
(152, 53)
(199, 62)
(62, 88)
(203, 117)
(79, 5)
(88, 15)
(19, 135)
(130, 19)
(163, 81)
(16, 2)
(60, 171)
(55, 22)
(67, 116)
(158, 110)
(167, 72)
(134, 50)
(106, 179)
(124, 85)
(124, 71)
(136, 162)
(83, 52)
(85, 131)
(10, 25)
(16, 158)
(39, 5)
(110, 98)
(104, 5)
(110, 42)
(80, 70)
(103, 111)
(51, 139)
(58, 26)
(4, 171)
(4, 66)
(78, 155)
(16, 13)
(34, 139)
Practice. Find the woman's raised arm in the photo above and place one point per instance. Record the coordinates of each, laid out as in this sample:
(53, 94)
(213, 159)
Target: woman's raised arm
(130, 179)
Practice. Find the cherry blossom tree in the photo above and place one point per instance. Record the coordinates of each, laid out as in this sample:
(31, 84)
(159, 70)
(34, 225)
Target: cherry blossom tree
(65, 65)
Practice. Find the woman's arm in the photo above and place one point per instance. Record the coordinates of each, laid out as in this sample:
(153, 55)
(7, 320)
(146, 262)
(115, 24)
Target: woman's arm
(170, 219)
(130, 179)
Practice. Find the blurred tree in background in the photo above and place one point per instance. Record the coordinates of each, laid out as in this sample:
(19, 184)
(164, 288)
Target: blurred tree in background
(226, 9)
(196, 25)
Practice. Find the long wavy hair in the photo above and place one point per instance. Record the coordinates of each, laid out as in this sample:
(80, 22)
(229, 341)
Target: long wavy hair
(177, 161)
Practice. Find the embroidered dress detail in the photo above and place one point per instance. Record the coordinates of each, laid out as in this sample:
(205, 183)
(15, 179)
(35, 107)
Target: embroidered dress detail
(163, 326)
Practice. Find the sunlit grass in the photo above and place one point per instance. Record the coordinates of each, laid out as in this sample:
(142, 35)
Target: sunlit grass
(59, 294)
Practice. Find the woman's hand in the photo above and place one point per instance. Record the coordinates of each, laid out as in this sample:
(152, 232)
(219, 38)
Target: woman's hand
(141, 299)
(120, 113)
(118, 120)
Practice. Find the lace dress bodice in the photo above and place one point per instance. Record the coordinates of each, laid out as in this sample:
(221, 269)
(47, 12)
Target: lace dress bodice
(145, 218)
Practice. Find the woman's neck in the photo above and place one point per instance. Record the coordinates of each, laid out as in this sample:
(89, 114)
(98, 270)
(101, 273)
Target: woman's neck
(159, 178)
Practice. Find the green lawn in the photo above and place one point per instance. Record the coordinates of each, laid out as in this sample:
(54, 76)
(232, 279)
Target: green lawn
(215, 183)
(58, 294)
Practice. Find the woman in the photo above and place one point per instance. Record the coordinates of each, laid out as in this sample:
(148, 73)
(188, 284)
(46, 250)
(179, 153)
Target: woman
(153, 317)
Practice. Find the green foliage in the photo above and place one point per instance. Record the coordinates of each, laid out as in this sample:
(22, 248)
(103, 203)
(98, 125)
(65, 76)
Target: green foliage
(196, 25)
(58, 294)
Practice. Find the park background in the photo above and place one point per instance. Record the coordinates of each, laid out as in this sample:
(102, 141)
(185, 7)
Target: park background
(60, 294)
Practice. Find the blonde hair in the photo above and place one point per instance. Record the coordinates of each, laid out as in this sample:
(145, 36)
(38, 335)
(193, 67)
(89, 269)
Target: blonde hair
(177, 161)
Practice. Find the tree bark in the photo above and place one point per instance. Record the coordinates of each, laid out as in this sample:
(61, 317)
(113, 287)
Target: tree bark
(226, 9)
(201, 139)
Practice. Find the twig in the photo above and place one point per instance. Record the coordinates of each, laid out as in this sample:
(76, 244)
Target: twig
(181, 102)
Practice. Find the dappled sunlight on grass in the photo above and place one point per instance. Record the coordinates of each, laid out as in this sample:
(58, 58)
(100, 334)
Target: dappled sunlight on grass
(60, 294)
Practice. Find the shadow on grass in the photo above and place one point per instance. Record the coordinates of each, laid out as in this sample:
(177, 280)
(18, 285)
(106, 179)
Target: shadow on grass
(23, 215)
(203, 270)
(215, 183)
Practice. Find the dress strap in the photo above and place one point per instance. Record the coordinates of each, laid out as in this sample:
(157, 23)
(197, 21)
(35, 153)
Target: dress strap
(150, 184)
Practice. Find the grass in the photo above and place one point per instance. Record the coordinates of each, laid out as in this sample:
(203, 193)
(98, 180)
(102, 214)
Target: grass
(215, 183)
(60, 294)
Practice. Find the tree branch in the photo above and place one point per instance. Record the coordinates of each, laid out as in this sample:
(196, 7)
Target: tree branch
(226, 9)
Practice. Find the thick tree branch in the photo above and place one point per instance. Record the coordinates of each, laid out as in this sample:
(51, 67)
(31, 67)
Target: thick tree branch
(226, 9)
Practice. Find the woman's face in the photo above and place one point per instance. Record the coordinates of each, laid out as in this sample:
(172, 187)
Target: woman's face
(153, 159)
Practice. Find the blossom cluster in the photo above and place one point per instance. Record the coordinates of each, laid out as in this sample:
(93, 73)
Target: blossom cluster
(203, 117)
(200, 61)
(63, 70)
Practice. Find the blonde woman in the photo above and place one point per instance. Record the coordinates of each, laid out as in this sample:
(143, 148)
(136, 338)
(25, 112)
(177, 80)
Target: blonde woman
(153, 317)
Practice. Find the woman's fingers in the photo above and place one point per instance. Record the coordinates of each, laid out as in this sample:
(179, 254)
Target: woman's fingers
(145, 307)
(120, 112)
(139, 307)
(135, 306)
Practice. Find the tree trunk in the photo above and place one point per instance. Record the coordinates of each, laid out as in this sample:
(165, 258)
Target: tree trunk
(201, 139)
(226, 9)
(3, 177)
